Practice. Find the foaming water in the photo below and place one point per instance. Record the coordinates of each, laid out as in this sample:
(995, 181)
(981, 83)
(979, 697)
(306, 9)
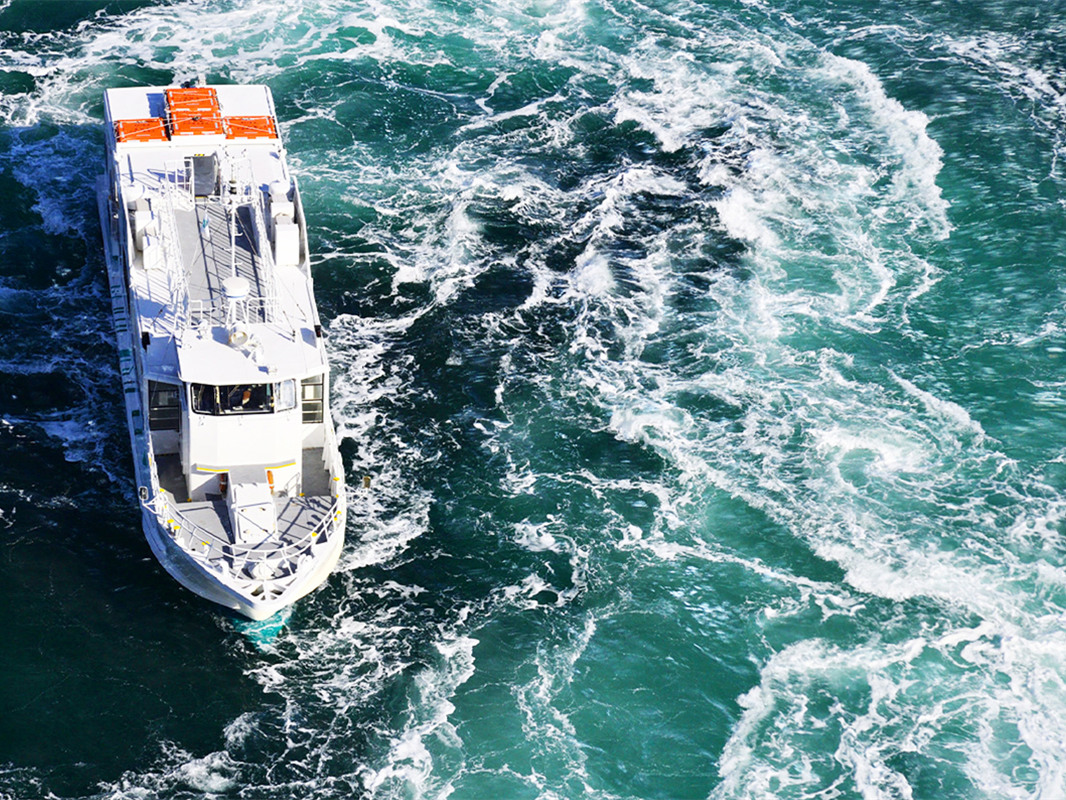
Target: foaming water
(704, 458)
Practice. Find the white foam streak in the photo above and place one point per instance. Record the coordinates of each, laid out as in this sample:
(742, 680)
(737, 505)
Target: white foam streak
(951, 413)
(559, 763)
(409, 768)
(875, 686)
(921, 157)
(1003, 57)
(392, 512)
(179, 771)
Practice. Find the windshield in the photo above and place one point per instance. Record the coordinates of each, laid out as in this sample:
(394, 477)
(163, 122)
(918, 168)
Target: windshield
(240, 398)
(243, 398)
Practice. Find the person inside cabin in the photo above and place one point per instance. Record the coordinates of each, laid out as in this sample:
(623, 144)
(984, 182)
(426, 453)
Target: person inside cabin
(240, 399)
(248, 398)
(245, 398)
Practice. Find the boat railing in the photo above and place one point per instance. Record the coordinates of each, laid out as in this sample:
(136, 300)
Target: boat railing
(153, 471)
(335, 464)
(177, 175)
(173, 191)
(177, 279)
(215, 551)
(215, 312)
(292, 486)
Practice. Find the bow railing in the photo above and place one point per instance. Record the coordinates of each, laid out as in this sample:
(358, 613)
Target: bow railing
(215, 551)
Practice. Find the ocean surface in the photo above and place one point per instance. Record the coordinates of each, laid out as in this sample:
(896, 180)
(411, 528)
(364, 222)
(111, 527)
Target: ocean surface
(708, 362)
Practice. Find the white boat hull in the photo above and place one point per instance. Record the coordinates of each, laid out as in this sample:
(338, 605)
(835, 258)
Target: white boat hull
(208, 585)
(223, 366)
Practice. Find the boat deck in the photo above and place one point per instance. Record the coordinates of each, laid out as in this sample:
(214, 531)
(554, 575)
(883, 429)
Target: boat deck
(204, 234)
(171, 478)
(297, 515)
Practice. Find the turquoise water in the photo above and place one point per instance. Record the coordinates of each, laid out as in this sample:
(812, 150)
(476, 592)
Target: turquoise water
(707, 359)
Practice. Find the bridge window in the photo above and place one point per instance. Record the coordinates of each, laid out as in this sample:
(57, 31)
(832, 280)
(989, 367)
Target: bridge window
(243, 398)
(238, 398)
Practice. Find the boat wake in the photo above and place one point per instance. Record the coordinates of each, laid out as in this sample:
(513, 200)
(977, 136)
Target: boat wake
(669, 343)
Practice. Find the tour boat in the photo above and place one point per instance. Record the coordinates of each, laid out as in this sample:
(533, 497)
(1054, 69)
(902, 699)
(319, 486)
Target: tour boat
(223, 365)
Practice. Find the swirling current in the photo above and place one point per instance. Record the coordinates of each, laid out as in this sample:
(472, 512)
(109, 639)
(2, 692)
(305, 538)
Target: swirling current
(707, 359)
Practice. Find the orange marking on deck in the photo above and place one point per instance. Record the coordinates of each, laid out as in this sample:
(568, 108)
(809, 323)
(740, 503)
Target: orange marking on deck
(196, 98)
(194, 112)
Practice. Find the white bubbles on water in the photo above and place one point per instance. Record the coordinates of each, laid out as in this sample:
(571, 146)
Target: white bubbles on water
(725, 293)
(410, 766)
(1013, 67)
(178, 771)
(875, 715)
(920, 158)
(875, 472)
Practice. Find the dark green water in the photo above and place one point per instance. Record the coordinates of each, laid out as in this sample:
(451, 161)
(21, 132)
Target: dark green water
(708, 362)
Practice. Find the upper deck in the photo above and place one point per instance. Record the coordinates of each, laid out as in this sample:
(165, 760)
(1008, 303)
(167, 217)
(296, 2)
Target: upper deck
(208, 198)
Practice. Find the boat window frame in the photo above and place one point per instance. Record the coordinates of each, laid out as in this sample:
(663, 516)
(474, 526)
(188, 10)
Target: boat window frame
(164, 417)
(285, 395)
(203, 399)
(233, 400)
(313, 399)
(242, 399)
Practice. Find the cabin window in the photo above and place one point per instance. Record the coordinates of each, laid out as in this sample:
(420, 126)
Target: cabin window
(238, 398)
(246, 398)
(285, 398)
(164, 406)
(204, 398)
(312, 393)
(243, 398)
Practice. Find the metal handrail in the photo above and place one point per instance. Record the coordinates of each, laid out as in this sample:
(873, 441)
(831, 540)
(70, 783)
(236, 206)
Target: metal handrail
(177, 174)
(177, 280)
(168, 195)
(215, 312)
(174, 521)
(336, 463)
(173, 191)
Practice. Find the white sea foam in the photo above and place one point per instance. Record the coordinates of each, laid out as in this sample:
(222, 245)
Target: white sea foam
(558, 760)
(951, 413)
(868, 726)
(920, 156)
(754, 402)
(878, 438)
(537, 538)
(1006, 59)
(408, 771)
(178, 771)
(392, 510)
